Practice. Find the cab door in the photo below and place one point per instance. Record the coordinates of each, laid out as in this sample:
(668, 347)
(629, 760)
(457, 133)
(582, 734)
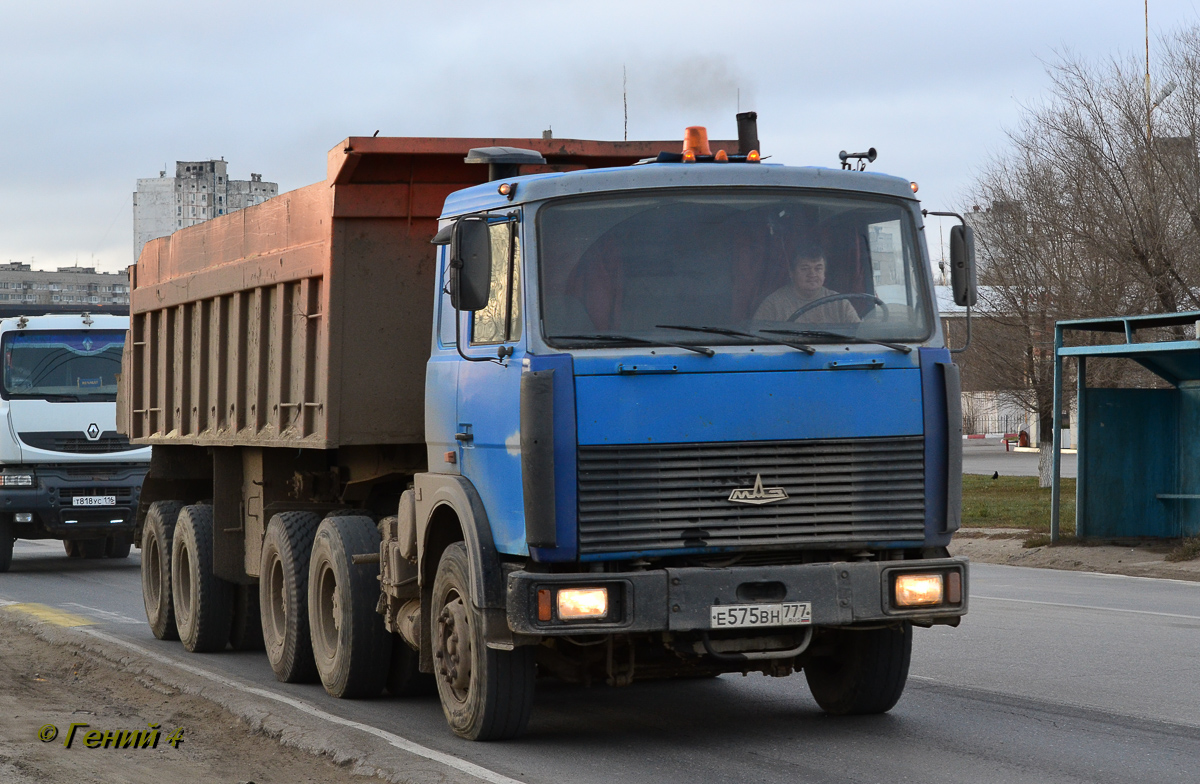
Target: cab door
(489, 390)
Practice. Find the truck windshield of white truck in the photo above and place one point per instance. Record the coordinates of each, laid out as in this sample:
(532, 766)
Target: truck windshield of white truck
(732, 267)
(62, 366)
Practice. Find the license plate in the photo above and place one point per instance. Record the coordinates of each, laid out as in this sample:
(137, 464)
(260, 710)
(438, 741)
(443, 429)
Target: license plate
(95, 500)
(735, 616)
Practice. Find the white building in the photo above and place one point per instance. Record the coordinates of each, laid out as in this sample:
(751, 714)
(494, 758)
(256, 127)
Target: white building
(81, 287)
(200, 190)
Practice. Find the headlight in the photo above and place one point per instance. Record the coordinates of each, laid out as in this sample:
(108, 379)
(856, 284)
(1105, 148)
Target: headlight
(16, 480)
(580, 603)
(918, 590)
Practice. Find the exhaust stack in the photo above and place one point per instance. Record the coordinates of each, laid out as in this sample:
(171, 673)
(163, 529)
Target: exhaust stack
(747, 124)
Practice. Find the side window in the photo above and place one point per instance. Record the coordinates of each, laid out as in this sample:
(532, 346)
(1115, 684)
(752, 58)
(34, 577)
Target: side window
(500, 321)
(445, 309)
(888, 262)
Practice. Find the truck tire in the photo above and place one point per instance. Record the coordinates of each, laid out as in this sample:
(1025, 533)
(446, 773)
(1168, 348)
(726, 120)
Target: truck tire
(118, 546)
(351, 646)
(7, 540)
(203, 601)
(866, 672)
(84, 548)
(157, 536)
(245, 632)
(283, 595)
(404, 678)
(486, 694)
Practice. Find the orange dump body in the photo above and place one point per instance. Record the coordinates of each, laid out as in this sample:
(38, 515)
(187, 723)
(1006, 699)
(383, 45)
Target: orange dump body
(305, 321)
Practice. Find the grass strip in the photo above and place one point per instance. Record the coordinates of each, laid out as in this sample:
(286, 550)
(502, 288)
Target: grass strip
(1014, 502)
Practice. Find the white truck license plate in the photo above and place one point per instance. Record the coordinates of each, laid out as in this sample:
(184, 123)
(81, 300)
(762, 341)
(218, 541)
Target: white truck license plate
(95, 500)
(733, 616)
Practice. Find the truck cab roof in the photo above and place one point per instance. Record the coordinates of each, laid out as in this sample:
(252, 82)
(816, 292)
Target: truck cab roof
(538, 187)
(64, 321)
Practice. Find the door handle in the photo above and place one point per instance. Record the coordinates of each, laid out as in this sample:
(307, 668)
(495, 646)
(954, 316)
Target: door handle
(463, 437)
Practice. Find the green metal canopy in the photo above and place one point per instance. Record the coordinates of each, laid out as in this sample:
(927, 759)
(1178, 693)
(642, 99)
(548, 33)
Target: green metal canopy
(1139, 449)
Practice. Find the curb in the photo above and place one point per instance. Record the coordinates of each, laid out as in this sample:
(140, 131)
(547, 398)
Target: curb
(358, 747)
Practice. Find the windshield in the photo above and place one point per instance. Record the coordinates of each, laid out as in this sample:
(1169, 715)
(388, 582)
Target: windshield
(768, 264)
(67, 366)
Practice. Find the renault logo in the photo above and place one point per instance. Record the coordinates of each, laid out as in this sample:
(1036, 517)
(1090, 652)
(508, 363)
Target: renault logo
(93, 432)
(757, 494)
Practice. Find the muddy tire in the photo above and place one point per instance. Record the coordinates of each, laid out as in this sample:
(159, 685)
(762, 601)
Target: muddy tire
(404, 678)
(351, 645)
(157, 536)
(486, 694)
(84, 548)
(283, 595)
(118, 546)
(203, 601)
(865, 674)
(7, 540)
(245, 631)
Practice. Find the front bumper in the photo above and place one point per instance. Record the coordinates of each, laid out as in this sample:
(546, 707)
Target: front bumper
(661, 600)
(51, 501)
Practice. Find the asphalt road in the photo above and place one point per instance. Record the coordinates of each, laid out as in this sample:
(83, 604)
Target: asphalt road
(989, 458)
(1052, 677)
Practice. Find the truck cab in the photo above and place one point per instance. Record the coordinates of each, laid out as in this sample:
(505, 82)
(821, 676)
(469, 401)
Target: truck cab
(710, 417)
(67, 474)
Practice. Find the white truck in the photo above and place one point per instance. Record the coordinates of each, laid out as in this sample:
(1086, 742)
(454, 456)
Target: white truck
(65, 472)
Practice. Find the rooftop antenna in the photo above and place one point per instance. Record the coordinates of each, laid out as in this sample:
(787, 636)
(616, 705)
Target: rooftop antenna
(625, 97)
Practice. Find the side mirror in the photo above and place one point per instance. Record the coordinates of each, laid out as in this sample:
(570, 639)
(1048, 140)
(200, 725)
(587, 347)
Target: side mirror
(962, 265)
(470, 264)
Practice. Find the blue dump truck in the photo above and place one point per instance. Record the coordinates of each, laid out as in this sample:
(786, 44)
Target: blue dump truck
(636, 413)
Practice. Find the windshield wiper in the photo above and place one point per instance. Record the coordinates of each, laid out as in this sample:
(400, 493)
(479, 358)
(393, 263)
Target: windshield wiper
(58, 398)
(612, 337)
(821, 333)
(738, 333)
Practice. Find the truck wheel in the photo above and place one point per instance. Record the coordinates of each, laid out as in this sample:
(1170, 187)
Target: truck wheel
(866, 672)
(7, 540)
(283, 595)
(245, 633)
(157, 535)
(84, 548)
(486, 694)
(118, 546)
(404, 678)
(351, 645)
(203, 601)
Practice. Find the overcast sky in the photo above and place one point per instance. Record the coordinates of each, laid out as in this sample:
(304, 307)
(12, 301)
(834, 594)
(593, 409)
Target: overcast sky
(96, 95)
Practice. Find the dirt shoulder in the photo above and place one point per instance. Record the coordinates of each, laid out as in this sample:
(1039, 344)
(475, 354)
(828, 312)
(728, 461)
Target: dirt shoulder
(46, 684)
(1007, 546)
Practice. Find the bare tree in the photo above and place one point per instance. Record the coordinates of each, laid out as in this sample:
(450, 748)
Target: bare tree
(1093, 211)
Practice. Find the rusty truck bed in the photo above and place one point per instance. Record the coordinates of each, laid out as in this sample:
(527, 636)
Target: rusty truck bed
(305, 321)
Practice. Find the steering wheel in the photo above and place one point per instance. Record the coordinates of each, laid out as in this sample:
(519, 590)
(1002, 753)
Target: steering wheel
(807, 306)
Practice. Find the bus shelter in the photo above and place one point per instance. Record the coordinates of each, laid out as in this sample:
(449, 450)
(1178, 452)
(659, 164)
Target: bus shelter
(1139, 449)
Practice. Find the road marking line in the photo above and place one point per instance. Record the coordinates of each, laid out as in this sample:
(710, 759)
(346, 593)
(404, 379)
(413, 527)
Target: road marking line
(404, 744)
(50, 614)
(1087, 607)
(104, 615)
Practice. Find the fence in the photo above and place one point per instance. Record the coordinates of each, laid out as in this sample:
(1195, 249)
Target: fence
(1007, 423)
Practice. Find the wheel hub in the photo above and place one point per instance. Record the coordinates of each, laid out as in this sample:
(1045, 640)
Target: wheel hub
(454, 654)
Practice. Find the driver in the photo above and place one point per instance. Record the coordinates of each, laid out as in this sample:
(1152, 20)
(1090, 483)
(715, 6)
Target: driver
(807, 273)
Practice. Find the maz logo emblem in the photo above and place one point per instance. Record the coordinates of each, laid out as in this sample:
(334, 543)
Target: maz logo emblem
(757, 494)
(93, 432)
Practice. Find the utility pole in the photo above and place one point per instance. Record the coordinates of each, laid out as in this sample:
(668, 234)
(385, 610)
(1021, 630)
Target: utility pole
(1149, 107)
(625, 96)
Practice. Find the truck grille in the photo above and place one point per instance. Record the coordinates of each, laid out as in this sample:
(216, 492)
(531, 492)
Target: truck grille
(78, 442)
(667, 497)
